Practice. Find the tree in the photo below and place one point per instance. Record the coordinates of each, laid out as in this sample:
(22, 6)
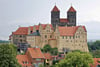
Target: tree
(94, 45)
(76, 59)
(8, 56)
(47, 48)
(54, 51)
(96, 54)
(94, 48)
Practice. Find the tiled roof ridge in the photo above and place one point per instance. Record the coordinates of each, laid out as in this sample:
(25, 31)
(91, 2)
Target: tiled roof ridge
(71, 9)
(55, 9)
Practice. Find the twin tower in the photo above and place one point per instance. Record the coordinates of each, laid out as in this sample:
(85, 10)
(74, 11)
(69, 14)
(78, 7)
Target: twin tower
(69, 21)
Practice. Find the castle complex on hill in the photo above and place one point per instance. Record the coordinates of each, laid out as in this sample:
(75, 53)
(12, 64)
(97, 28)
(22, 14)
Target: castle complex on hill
(61, 33)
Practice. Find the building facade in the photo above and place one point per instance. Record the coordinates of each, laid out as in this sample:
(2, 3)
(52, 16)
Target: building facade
(32, 58)
(61, 33)
(69, 21)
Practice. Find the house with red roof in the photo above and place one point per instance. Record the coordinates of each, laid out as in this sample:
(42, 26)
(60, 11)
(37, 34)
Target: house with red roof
(48, 58)
(96, 62)
(32, 58)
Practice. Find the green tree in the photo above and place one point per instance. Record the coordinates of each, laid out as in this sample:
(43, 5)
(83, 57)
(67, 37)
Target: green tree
(47, 48)
(94, 45)
(76, 59)
(54, 51)
(96, 54)
(8, 56)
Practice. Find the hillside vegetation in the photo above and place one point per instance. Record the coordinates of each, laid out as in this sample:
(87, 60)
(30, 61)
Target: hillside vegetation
(3, 41)
(94, 48)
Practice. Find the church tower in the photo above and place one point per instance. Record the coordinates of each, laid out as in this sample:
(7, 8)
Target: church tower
(55, 16)
(71, 16)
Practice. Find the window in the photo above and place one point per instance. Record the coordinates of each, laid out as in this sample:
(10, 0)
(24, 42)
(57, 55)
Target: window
(16, 35)
(20, 36)
(16, 40)
(20, 40)
(31, 31)
(78, 36)
(66, 37)
(27, 62)
(50, 36)
(62, 37)
(73, 37)
(23, 62)
(45, 36)
(38, 59)
(70, 37)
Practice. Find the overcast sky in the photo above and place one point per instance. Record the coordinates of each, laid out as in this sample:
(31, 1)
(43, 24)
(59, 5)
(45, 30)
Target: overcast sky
(15, 13)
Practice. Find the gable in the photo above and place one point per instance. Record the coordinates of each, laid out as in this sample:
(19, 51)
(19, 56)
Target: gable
(69, 31)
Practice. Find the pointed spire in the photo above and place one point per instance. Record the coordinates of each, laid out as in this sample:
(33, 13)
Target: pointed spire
(71, 9)
(55, 9)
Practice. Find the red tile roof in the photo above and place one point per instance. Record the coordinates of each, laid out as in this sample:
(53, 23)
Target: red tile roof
(47, 56)
(69, 31)
(21, 31)
(95, 62)
(37, 27)
(71, 9)
(31, 27)
(64, 20)
(43, 25)
(24, 30)
(55, 9)
(84, 28)
(23, 58)
(35, 53)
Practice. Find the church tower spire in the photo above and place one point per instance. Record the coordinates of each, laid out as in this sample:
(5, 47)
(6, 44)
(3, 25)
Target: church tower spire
(55, 16)
(71, 15)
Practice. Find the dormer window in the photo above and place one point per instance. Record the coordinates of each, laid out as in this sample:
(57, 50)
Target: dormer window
(31, 31)
(20, 36)
(38, 59)
(23, 62)
(27, 63)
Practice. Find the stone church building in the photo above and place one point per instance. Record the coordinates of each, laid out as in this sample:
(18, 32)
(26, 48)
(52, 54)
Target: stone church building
(62, 33)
